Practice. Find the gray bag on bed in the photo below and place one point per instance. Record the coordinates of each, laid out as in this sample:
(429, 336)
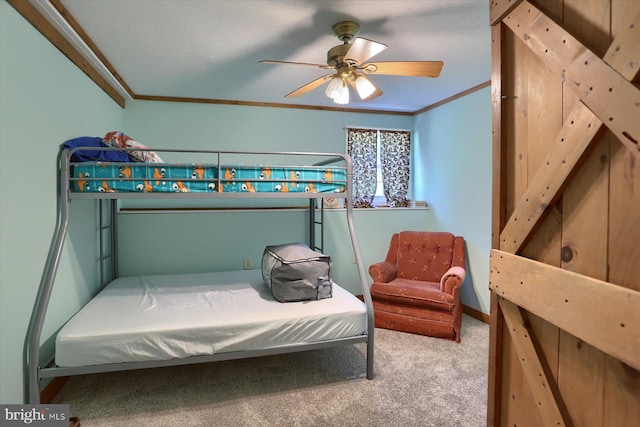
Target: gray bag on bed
(294, 272)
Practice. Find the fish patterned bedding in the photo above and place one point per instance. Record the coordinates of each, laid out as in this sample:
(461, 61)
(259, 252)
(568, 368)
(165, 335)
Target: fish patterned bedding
(164, 177)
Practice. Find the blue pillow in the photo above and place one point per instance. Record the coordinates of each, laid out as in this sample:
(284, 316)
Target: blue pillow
(94, 155)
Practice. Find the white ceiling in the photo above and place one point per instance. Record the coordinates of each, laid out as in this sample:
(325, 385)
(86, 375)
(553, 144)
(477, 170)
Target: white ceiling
(211, 48)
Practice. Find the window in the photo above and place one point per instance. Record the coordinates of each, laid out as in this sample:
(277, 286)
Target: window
(381, 165)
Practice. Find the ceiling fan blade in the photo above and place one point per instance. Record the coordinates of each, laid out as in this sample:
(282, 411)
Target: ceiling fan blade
(325, 66)
(404, 68)
(362, 49)
(309, 86)
(376, 93)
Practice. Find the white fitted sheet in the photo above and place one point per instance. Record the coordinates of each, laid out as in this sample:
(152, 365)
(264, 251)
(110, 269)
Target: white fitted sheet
(176, 316)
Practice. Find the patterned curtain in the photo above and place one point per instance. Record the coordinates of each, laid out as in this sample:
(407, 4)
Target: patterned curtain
(362, 145)
(395, 152)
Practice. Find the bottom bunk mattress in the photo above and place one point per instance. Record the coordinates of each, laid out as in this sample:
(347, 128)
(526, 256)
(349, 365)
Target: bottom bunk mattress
(163, 317)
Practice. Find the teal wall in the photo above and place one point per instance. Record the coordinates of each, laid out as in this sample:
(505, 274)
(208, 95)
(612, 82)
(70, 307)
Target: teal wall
(454, 147)
(199, 242)
(46, 100)
(244, 235)
(228, 127)
(451, 170)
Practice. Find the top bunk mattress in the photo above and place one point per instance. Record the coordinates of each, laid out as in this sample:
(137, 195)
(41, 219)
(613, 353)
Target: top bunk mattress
(163, 317)
(93, 177)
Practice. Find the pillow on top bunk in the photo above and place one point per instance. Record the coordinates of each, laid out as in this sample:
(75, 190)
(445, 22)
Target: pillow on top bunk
(93, 155)
(119, 139)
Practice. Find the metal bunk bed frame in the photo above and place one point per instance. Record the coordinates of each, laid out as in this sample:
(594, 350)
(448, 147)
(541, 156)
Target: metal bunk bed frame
(34, 373)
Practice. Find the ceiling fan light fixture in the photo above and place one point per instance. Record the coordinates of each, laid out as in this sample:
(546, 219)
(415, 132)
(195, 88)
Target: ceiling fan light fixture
(333, 89)
(338, 91)
(364, 87)
(343, 98)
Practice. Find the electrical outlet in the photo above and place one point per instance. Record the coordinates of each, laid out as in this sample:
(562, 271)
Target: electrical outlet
(247, 264)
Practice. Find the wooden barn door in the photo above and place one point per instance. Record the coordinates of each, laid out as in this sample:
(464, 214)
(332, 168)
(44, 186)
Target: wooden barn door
(565, 263)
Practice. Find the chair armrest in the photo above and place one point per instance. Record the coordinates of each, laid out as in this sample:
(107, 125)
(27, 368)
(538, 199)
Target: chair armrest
(451, 279)
(383, 272)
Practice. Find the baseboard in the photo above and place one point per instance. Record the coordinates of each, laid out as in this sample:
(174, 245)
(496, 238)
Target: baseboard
(50, 391)
(476, 314)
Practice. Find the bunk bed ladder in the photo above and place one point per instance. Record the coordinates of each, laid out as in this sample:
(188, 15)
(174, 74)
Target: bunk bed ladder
(108, 245)
(314, 223)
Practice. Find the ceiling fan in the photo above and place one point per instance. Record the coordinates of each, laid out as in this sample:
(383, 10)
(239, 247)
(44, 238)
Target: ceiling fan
(348, 61)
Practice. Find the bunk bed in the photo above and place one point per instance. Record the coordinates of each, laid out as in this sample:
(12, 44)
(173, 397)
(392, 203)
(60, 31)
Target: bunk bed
(220, 315)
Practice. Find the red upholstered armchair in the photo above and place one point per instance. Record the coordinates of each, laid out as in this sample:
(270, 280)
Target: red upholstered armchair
(417, 287)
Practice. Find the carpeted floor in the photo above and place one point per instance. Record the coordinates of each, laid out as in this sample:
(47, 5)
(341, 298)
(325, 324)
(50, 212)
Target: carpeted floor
(420, 381)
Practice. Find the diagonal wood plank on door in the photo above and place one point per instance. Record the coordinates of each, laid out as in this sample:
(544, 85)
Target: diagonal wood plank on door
(542, 383)
(569, 147)
(614, 99)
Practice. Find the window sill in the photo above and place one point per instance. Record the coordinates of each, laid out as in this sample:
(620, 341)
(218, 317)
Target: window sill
(381, 208)
(388, 208)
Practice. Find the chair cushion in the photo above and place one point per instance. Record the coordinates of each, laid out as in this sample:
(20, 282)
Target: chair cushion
(413, 292)
(424, 256)
(414, 325)
(439, 316)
